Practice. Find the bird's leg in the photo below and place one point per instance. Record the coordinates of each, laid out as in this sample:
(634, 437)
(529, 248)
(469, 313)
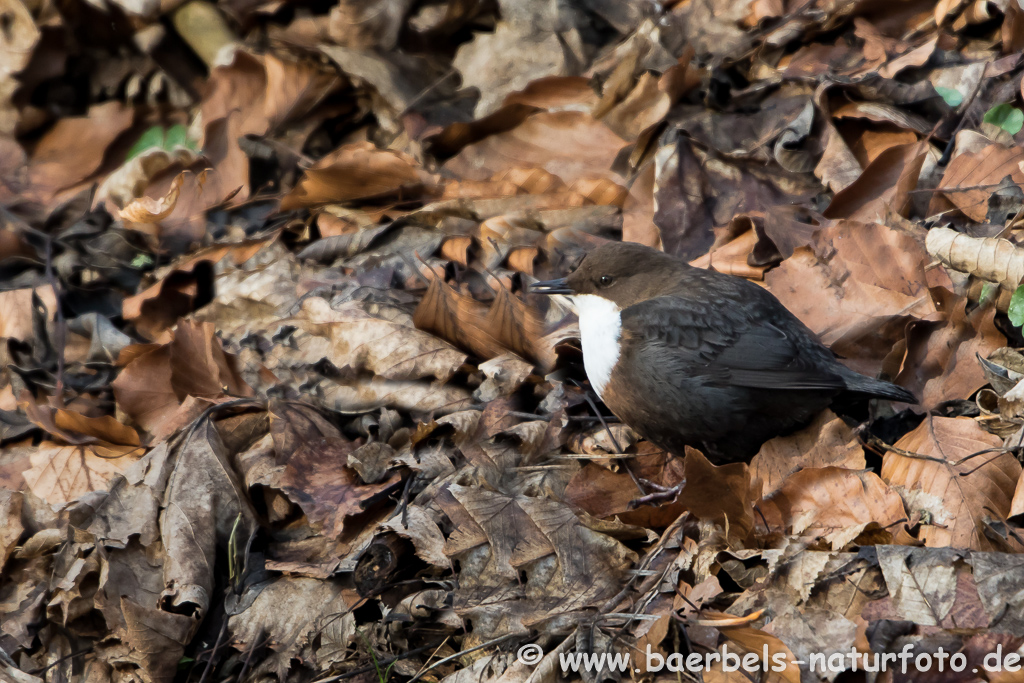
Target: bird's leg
(661, 494)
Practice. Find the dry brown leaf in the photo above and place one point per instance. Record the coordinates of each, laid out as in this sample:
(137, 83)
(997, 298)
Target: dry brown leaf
(60, 474)
(922, 582)
(75, 428)
(391, 349)
(955, 479)
(724, 494)
(294, 87)
(365, 394)
(860, 293)
(157, 379)
(16, 311)
(317, 478)
(358, 171)
(604, 494)
(966, 180)
(838, 168)
(74, 148)
(826, 442)
(769, 647)
(143, 389)
(941, 361)
(1017, 504)
(642, 108)
(508, 324)
(832, 503)
(416, 525)
(732, 258)
(872, 143)
(158, 308)
(199, 366)
(884, 185)
(569, 144)
(148, 210)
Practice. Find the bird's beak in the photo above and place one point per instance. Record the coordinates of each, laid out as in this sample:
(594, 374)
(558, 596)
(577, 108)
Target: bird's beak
(551, 287)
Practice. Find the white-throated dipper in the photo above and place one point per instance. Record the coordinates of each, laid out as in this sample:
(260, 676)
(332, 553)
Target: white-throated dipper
(693, 357)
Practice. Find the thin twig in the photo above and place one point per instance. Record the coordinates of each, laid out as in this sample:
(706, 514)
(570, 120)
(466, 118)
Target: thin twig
(60, 330)
(881, 447)
(248, 657)
(213, 652)
(440, 662)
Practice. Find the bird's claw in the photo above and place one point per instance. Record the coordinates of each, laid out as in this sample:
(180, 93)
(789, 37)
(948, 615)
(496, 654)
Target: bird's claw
(660, 494)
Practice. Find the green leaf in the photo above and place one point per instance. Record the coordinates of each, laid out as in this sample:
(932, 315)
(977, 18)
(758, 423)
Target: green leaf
(1016, 309)
(142, 261)
(988, 292)
(952, 96)
(177, 136)
(154, 137)
(1007, 117)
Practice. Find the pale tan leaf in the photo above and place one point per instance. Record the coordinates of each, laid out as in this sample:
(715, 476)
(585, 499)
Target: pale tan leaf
(60, 474)
(149, 210)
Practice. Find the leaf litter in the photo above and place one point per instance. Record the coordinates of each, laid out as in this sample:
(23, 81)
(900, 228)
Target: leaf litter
(275, 403)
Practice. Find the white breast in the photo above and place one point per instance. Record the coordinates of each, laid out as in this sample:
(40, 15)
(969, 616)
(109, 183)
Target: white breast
(600, 328)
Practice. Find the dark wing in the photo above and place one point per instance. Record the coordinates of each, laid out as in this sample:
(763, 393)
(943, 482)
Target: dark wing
(727, 346)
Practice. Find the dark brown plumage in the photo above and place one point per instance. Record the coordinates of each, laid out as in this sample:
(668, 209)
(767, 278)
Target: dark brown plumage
(704, 359)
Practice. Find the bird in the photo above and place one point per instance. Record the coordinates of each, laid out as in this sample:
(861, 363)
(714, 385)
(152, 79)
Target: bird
(695, 357)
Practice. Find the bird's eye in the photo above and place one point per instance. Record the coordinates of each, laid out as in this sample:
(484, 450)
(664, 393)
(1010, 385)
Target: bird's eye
(605, 280)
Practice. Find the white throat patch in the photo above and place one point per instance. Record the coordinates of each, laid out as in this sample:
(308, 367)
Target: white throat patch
(600, 328)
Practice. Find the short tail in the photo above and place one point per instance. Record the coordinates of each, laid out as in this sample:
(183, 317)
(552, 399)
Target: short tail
(876, 388)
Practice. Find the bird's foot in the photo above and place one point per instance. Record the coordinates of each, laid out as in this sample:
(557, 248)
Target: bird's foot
(660, 494)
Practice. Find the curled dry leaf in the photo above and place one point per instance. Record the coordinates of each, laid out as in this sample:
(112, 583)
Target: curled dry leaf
(989, 258)
(884, 185)
(75, 428)
(157, 379)
(954, 475)
(149, 210)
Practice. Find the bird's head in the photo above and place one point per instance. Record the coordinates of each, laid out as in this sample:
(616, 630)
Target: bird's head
(622, 272)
